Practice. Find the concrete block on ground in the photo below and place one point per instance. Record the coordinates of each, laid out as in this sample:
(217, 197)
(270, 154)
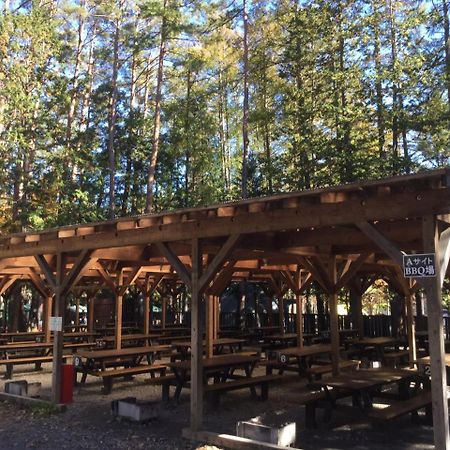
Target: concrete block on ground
(283, 435)
(129, 408)
(23, 388)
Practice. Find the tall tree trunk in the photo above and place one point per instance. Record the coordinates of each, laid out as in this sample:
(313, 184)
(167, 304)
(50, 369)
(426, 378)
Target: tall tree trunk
(395, 88)
(157, 118)
(245, 112)
(378, 81)
(447, 47)
(131, 141)
(113, 115)
(187, 139)
(76, 73)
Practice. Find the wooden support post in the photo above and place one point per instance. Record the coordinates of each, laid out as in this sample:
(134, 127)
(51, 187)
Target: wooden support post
(436, 338)
(281, 313)
(119, 311)
(58, 335)
(91, 314)
(77, 311)
(48, 305)
(359, 316)
(196, 410)
(146, 311)
(299, 319)
(216, 317)
(209, 326)
(410, 328)
(334, 320)
(163, 311)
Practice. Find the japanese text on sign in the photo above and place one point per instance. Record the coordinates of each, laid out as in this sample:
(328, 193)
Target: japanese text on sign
(419, 266)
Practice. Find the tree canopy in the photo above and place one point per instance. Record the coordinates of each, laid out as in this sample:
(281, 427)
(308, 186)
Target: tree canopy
(113, 108)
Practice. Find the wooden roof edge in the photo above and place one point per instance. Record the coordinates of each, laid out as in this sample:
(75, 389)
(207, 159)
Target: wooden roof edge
(71, 230)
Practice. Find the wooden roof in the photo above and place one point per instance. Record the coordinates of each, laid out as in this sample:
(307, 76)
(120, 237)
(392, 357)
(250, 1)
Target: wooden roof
(287, 233)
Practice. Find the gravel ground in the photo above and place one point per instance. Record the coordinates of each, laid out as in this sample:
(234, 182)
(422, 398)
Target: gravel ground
(88, 424)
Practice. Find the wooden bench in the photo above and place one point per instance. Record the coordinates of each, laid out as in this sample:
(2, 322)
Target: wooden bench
(214, 391)
(36, 360)
(316, 372)
(394, 359)
(107, 376)
(400, 408)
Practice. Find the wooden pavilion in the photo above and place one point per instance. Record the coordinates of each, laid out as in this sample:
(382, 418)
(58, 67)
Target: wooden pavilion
(332, 236)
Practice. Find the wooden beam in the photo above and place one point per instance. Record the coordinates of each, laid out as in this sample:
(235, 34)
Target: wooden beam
(38, 283)
(80, 262)
(130, 280)
(351, 271)
(87, 267)
(218, 260)
(106, 277)
(209, 326)
(311, 267)
(119, 312)
(7, 282)
(47, 271)
(223, 279)
(381, 241)
(175, 262)
(436, 339)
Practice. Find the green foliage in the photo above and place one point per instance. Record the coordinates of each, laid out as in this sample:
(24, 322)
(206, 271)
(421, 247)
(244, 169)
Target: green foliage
(339, 91)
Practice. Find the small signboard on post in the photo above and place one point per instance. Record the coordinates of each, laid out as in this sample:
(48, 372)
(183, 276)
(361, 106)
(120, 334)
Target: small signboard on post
(55, 324)
(419, 266)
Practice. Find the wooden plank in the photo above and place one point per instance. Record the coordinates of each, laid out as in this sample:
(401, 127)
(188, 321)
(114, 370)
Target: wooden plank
(7, 282)
(175, 262)
(196, 406)
(91, 313)
(436, 339)
(218, 260)
(38, 283)
(223, 279)
(383, 243)
(299, 320)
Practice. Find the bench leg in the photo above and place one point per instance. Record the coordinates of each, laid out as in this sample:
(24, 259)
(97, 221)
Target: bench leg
(107, 386)
(310, 415)
(38, 366)
(264, 391)
(165, 391)
(9, 371)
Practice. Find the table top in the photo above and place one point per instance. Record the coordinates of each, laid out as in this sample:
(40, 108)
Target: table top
(25, 346)
(280, 337)
(21, 333)
(366, 378)
(129, 351)
(382, 340)
(130, 337)
(307, 350)
(216, 342)
(229, 360)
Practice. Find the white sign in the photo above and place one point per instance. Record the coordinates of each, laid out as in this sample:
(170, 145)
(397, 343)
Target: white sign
(55, 324)
(419, 266)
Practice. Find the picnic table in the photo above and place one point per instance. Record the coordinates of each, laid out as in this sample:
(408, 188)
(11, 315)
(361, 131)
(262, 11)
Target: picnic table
(424, 367)
(133, 340)
(12, 336)
(304, 361)
(220, 368)
(363, 385)
(19, 353)
(113, 363)
(234, 345)
(384, 348)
